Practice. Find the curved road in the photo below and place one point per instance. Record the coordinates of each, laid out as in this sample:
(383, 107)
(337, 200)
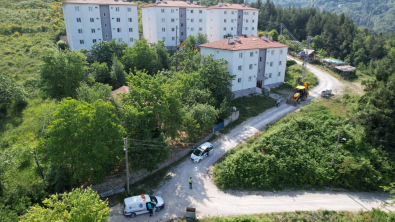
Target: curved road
(210, 201)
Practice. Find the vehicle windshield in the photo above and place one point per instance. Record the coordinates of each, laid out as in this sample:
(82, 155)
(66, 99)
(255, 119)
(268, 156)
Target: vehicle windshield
(197, 152)
(153, 199)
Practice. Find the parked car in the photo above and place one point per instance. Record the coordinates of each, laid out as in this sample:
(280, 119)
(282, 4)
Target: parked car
(136, 205)
(203, 151)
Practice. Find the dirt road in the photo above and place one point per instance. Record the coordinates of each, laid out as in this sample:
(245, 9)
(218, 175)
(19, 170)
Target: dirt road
(210, 201)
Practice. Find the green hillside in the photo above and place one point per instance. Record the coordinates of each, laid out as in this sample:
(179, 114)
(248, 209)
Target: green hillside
(376, 14)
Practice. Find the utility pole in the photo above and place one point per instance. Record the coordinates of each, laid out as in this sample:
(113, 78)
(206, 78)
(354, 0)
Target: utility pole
(304, 65)
(125, 143)
(176, 47)
(338, 138)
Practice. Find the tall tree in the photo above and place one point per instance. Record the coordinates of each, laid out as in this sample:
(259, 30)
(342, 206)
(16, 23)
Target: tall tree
(201, 38)
(140, 57)
(62, 72)
(10, 92)
(85, 139)
(77, 206)
(101, 72)
(117, 73)
(91, 94)
(162, 53)
(104, 51)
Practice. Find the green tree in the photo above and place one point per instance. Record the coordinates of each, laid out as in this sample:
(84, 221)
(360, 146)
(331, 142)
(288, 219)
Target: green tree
(62, 72)
(140, 57)
(274, 34)
(162, 55)
(79, 205)
(201, 38)
(104, 51)
(85, 139)
(88, 94)
(205, 116)
(100, 72)
(117, 73)
(10, 92)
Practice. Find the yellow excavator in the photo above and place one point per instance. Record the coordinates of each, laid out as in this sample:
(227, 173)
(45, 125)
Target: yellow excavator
(301, 94)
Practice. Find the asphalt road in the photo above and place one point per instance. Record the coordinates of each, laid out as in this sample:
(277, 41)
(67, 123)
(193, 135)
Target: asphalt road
(209, 200)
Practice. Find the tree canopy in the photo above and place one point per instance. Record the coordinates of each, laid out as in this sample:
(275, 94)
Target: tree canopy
(140, 57)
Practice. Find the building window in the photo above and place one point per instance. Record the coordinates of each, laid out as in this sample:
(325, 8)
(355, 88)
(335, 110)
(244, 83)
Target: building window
(281, 51)
(246, 20)
(200, 20)
(117, 9)
(259, 70)
(162, 10)
(172, 20)
(200, 11)
(172, 29)
(271, 64)
(272, 52)
(231, 20)
(192, 29)
(77, 8)
(119, 29)
(172, 10)
(253, 13)
(90, 9)
(92, 19)
(106, 35)
(182, 33)
(93, 30)
(260, 59)
(182, 24)
(191, 11)
(240, 55)
(163, 38)
(253, 21)
(249, 78)
(173, 38)
(279, 73)
(94, 41)
(129, 9)
(130, 39)
(130, 29)
(163, 29)
(105, 25)
(224, 20)
(246, 28)
(80, 31)
(78, 19)
(191, 20)
(233, 12)
(239, 80)
(252, 28)
(225, 12)
(270, 75)
(231, 28)
(217, 52)
(81, 41)
(250, 66)
(163, 20)
(239, 68)
(279, 63)
(118, 19)
(200, 29)
(251, 54)
(130, 19)
(104, 14)
(119, 39)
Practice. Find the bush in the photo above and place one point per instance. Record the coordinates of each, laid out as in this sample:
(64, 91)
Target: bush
(62, 44)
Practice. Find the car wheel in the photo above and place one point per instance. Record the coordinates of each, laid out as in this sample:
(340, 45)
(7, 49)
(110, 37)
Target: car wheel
(158, 209)
(299, 101)
(132, 215)
(200, 160)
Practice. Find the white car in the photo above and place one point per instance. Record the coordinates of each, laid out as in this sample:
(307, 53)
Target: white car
(203, 151)
(136, 205)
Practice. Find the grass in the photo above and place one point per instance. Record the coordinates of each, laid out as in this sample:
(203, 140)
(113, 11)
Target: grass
(305, 216)
(249, 106)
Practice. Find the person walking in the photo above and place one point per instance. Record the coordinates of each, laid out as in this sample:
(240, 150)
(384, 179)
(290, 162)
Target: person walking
(190, 182)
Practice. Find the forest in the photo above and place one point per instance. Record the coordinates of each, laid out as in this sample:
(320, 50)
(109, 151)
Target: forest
(174, 99)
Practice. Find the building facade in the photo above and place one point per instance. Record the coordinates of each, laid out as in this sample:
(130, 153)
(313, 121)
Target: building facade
(91, 21)
(255, 61)
(228, 20)
(173, 21)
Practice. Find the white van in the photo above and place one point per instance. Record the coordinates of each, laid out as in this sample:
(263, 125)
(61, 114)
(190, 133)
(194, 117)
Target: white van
(136, 205)
(203, 151)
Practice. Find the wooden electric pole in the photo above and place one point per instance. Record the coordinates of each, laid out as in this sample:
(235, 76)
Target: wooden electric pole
(125, 143)
(338, 138)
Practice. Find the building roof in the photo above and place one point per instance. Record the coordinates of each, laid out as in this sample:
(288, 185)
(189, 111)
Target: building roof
(245, 43)
(122, 89)
(232, 6)
(180, 4)
(307, 52)
(100, 2)
(346, 68)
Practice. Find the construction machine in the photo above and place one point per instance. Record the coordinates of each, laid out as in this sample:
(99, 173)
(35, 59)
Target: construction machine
(301, 94)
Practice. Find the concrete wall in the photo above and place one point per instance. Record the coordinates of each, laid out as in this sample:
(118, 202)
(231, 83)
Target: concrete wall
(276, 59)
(250, 22)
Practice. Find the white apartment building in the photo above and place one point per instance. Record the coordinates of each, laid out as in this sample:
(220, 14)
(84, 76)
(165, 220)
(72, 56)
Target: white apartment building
(173, 21)
(91, 21)
(226, 19)
(255, 61)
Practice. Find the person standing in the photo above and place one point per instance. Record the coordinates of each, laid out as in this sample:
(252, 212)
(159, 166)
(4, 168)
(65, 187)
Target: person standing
(149, 206)
(190, 182)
